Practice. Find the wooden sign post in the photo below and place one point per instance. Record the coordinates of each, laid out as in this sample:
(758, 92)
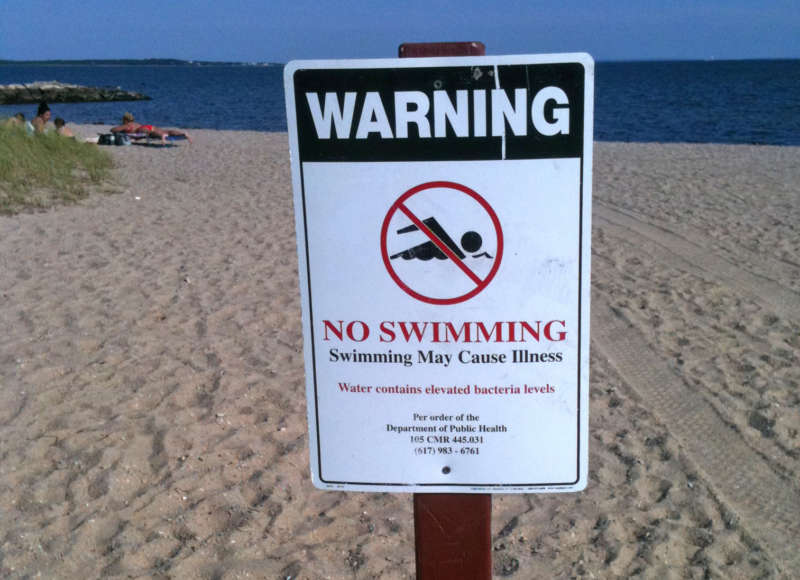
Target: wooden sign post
(452, 535)
(452, 531)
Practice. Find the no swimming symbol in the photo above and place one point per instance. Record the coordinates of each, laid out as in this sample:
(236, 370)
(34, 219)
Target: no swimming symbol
(419, 247)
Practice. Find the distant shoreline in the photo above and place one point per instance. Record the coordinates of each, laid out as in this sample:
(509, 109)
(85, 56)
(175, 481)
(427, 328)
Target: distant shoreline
(202, 63)
(132, 62)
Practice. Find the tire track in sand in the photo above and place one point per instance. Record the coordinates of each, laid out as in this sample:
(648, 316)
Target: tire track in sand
(768, 292)
(767, 504)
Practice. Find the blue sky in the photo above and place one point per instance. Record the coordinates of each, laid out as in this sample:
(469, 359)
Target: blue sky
(281, 30)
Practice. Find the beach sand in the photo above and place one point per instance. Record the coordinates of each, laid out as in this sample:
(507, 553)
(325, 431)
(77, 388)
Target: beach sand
(152, 403)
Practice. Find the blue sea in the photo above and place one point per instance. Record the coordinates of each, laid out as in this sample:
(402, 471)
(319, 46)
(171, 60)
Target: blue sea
(755, 101)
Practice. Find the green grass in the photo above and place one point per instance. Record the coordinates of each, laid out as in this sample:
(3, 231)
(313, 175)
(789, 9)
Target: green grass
(39, 171)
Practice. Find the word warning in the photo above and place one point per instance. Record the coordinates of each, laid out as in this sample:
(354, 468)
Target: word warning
(443, 210)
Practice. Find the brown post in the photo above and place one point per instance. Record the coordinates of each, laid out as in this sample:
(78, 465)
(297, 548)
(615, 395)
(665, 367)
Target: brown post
(452, 531)
(417, 49)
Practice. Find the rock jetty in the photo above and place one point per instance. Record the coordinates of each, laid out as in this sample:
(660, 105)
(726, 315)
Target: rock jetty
(56, 92)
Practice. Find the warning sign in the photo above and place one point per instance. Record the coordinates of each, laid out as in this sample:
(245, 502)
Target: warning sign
(443, 222)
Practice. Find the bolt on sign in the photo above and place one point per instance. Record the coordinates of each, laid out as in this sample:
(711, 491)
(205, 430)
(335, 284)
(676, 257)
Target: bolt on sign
(443, 212)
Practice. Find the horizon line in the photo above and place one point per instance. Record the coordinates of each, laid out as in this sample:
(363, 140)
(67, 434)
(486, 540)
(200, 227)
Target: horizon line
(178, 61)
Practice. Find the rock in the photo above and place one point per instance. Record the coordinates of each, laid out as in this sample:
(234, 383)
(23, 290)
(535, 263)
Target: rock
(56, 92)
(764, 424)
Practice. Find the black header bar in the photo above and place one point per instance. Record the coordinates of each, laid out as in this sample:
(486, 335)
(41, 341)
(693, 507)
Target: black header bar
(440, 113)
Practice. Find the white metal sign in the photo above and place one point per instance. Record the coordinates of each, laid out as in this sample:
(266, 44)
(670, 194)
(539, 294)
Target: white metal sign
(443, 213)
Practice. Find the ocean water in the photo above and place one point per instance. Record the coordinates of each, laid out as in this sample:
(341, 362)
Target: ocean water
(208, 97)
(699, 102)
(692, 101)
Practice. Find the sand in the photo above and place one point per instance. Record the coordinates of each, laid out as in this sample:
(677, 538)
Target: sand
(152, 407)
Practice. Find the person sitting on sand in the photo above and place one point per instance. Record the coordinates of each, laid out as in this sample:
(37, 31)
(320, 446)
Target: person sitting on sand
(130, 126)
(62, 129)
(39, 122)
(17, 120)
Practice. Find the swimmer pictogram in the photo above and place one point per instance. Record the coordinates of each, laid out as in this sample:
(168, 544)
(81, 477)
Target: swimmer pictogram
(412, 250)
(470, 242)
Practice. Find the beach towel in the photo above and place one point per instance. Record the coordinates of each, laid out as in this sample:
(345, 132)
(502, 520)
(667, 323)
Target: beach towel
(113, 139)
(137, 138)
(156, 141)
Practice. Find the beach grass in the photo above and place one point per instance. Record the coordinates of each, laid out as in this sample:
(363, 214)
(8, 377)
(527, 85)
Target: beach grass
(39, 171)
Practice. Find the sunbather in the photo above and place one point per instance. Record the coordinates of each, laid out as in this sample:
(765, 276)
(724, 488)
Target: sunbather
(131, 127)
(39, 122)
(62, 129)
(17, 120)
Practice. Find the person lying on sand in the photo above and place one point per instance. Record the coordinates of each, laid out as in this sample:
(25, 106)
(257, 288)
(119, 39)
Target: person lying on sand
(130, 126)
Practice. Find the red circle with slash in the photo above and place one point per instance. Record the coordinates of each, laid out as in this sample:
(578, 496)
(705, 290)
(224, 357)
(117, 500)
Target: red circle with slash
(399, 205)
